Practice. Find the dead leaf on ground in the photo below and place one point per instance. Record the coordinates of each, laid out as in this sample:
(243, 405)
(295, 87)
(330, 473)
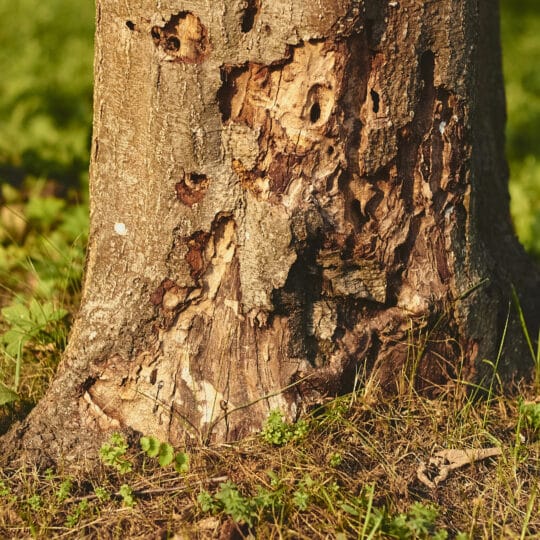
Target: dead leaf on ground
(444, 461)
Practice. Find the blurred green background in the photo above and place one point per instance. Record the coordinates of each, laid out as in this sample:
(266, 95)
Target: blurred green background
(46, 63)
(520, 24)
(45, 117)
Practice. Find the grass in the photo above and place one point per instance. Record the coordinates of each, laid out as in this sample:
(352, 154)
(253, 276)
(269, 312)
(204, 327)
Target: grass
(348, 469)
(349, 472)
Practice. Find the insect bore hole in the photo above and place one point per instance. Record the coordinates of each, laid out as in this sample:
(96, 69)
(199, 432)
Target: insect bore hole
(314, 113)
(375, 98)
(173, 43)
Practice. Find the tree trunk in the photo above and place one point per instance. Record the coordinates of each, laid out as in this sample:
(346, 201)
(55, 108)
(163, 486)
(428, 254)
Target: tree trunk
(283, 195)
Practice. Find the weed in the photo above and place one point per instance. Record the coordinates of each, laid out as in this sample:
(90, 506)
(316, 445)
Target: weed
(35, 322)
(418, 522)
(234, 504)
(7, 395)
(530, 418)
(151, 446)
(102, 494)
(4, 489)
(165, 454)
(128, 498)
(80, 510)
(35, 502)
(64, 490)
(207, 502)
(278, 432)
(301, 498)
(112, 453)
(181, 462)
(271, 500)
(335, 459)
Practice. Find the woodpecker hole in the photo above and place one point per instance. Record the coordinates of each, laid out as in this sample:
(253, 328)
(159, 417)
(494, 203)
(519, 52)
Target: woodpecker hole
(192, 188)
(183, 38)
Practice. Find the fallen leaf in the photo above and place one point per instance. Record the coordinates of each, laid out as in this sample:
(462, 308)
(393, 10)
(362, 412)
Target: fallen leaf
(444, 461)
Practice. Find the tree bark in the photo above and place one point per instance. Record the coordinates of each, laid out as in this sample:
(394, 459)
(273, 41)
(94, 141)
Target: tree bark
(283, 195)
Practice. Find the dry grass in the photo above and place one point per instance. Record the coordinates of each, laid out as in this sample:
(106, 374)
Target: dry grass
(353, 475)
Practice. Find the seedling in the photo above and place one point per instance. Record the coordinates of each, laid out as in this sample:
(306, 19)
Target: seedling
(77, 513)
(102, 494)
(278, 432)
(530, 417)
(127, 495)
(64, 490)
(165, 454)
(234, 504)
(112, 453)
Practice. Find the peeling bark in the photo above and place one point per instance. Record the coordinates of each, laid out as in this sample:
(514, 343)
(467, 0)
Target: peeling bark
(284, 194)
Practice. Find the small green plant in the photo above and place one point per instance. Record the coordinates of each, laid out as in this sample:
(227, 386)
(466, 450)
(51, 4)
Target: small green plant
(128, 498)
(80, 510)
(35, 502)
(64, 490)
(278, 432)
(32, 322)
(530, 417)
(272, 500)
(302, 496)
(234, 504)
(207, 502)
(150, 445)
(181, 462)
(165, 454)
(231, 502)
(7, 395)
(102, 494)
(418, 522)
(4, 489)
(301, 499)
(335, 459)
(113, 452)
(35, 322)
